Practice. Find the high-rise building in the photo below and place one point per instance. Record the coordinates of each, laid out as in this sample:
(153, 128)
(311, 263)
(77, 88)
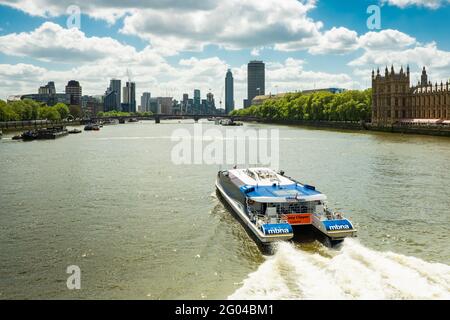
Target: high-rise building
(255, 81)
(73, 89)
(154, 106)
(210, 104)
(129, 97)
(91, 105)
(165, 105)
(145, 102)
(197, 101)
(229, 92)
(48, 89)
(203, 106)
(115, 85)
(110, 101)
(185, 103)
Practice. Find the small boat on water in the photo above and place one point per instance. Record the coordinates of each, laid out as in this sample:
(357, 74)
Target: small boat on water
(29, 135)
(274, 207)
(229, 122)
(133, 120)
(17, 137)
(110, 121)
(91, 127)
(44, 134)
(74, 131)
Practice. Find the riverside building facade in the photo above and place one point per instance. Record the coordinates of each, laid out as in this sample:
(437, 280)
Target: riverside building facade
(395, 101)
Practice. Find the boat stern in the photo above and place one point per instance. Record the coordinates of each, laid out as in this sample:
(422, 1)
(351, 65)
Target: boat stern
(276, 231)
(338, 229)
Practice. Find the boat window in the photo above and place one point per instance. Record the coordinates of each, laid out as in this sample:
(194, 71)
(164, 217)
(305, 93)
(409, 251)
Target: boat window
(296, 207)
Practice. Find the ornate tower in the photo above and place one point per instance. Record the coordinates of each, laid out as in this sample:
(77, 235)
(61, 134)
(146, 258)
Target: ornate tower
(390, 100)
(424, 77)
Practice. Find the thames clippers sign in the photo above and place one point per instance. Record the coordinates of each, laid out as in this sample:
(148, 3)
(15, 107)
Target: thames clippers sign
(299, 219)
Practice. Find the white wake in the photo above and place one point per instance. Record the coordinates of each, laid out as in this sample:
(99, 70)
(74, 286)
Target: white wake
(353, 272)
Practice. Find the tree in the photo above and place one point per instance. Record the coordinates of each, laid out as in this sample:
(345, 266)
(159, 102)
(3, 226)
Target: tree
(62, 109)
(75, 111)
(352, 105)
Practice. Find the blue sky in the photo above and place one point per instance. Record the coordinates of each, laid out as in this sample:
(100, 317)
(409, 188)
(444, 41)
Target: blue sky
(174, 46)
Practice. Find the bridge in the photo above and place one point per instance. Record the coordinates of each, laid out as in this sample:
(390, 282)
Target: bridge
(195, 117)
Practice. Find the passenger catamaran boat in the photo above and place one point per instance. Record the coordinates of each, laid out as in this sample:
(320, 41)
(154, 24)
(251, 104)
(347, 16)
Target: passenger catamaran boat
(272, 205)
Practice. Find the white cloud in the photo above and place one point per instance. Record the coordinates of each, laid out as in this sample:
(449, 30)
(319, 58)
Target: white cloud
(232, 24)
(337, 40)
(182, 25)
(18, 78)
(256, 52)
(386, 40)
(436, 61)
(108, 10)
(432, 4)
(94, 61)
(291, 76)
(51, 42)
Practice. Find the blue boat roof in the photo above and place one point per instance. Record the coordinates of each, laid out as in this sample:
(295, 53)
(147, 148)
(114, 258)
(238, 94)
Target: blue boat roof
(291, 191)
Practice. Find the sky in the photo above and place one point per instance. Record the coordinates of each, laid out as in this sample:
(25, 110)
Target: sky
(171, 47)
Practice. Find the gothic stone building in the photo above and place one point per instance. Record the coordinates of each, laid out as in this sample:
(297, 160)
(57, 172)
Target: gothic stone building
(393, 100)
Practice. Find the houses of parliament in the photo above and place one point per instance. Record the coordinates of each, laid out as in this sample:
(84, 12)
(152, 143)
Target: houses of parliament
(394, 101)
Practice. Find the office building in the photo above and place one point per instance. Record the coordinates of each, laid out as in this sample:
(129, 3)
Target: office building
(255, 81)
(129, 97)
(116, 85)
(48, 89)
(229, 92)
(73, 89)
(197, 101)
(110, 102)
(145, 102)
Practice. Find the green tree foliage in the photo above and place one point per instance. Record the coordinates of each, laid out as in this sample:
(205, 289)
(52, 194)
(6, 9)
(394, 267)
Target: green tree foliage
(63, 110)
(352, 105)
(75, 111)
(31, 110)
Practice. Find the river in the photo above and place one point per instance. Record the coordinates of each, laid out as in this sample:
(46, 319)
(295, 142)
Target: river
(140, 226)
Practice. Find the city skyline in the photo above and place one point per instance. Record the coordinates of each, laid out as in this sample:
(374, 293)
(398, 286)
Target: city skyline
(310, 47)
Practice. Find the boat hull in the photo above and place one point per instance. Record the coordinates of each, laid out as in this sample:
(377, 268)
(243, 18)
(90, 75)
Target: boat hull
(334, 229)
(239, 210)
